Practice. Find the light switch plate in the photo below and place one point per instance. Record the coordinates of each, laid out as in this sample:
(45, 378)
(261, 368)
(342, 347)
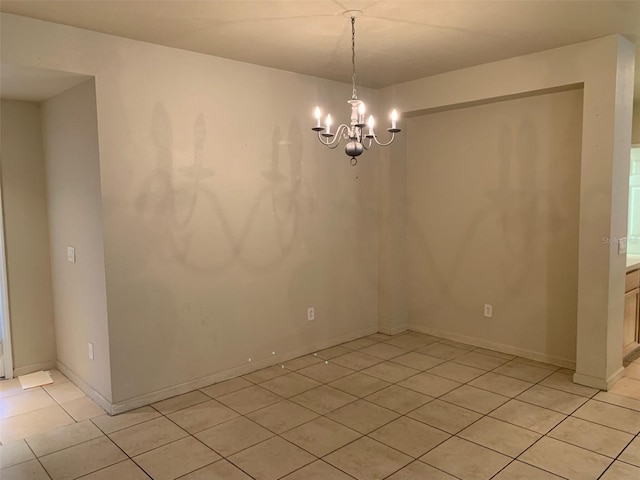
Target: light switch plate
(622, 246)
(71, 254)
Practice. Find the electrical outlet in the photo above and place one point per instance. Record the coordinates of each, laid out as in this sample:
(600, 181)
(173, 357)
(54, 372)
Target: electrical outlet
(71, 254)
(311, 314)
(90, 351)
(488, 310)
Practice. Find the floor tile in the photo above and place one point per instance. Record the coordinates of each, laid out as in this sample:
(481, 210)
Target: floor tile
(179, 402)
(521, 471)
(457, 372)
(362, 416)
(367, 459)
(318, 470)
(564, 382)
(356, 360)
(176, 459)
(282, 416)
(292, 384)
(14, 453)
(265, 374)
(631, 454)
(627, 387)
(528, 416)
(390, 372)
(445, 416)
(112, 423)
(480, 360)
(271, 459)
(329, 353)
(359, 384)
(409, 436)
(419, 361)
(358, 344)
(500, 436)
(591, 436)
(409, 342)
(63, 437)
(10, 387)
(233, 436)
(565, 460)
(384, 351)
(82, 459)
(507, 386)
(610, 416)
(323, 399)
(249, 399)
(460, 458)
(445, 352)
(321, 436)
(147, 436)
(21, 426)
(420, 471)
(379, 337)
(618, 400)
(126, 470)
(429, 384)
(228, 386)
(82, 409)
(28, 401)
(57, 376)
(63, 392)
(522, 371)
(632, 371)
(453, 343)
(220, 470)
(475, 399)
(30, 470)
(201, 416)
(325, 372)
(301, 362)
(621, 471)
(535, 363)
(493, 353)
(552, 399)
(398, 399)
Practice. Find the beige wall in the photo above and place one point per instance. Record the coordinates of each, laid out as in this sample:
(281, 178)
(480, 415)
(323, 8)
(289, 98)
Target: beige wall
(493, 204)
(603, 65)
(223, 217)
(70, 141)
(27, 238)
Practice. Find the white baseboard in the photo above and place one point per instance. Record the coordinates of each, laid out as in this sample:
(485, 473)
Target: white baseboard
(393, 331)
(84, 386)
(34, 368)
(599, 383)
(158, 395)
(498, 347)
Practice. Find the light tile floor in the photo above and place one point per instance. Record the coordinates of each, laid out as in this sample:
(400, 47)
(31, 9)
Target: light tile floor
(405, 407)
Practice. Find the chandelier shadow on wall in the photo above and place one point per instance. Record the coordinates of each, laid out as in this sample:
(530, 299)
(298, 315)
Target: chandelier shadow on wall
(357, 139)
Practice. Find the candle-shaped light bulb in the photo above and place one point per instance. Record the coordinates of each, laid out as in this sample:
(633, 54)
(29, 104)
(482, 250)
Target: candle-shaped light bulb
(328, 122)
(317, 114)
(394, 118)
(370, 124)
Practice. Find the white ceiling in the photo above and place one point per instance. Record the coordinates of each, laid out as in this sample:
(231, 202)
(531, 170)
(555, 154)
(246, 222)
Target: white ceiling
(397, 40)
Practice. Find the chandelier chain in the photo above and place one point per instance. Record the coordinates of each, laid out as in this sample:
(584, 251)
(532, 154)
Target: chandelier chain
(354, 94)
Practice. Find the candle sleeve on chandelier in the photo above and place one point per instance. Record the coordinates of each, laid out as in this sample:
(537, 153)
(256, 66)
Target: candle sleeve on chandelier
(328, 123)
(361, 109)
(370, 123)
(317, 114)
(394, 118)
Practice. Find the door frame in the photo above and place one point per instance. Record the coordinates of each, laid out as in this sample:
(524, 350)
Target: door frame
(5, 323)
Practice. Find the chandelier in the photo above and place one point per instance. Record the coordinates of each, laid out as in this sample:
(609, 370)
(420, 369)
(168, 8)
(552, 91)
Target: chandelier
(357, 139)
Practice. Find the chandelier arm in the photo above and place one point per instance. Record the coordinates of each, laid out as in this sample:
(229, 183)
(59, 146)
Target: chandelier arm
(337, 137)
(366, 147)
(393, 136)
